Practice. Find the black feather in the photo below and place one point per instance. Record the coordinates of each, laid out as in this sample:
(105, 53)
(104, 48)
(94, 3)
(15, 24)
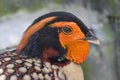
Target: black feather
(46, 37)
(64, 16)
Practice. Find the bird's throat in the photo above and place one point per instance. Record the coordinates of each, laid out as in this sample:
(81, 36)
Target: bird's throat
(78, 51)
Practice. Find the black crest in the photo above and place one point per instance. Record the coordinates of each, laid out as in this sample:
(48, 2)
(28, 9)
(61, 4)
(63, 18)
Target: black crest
(64, 16)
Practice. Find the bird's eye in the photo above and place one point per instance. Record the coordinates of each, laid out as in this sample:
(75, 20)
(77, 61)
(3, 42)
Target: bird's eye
(67, 30)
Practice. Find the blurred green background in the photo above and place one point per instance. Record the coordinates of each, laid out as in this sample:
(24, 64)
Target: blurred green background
(103, 16)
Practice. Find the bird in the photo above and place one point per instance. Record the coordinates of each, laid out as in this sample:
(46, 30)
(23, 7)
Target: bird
(52, 48)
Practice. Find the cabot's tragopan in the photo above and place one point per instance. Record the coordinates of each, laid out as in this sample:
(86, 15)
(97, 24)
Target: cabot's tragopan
(52, 48)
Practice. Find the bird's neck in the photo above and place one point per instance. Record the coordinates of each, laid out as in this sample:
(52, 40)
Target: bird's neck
(73, 71)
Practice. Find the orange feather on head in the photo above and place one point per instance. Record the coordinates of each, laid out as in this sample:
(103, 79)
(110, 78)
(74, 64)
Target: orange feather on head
(31, 30)
(73, 37)
(77, 47)
(78, 51)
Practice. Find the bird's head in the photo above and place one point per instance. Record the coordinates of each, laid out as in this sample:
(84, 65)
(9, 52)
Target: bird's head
(57, 36)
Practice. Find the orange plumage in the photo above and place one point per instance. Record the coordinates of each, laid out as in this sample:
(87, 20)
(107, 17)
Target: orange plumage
(78, 48)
